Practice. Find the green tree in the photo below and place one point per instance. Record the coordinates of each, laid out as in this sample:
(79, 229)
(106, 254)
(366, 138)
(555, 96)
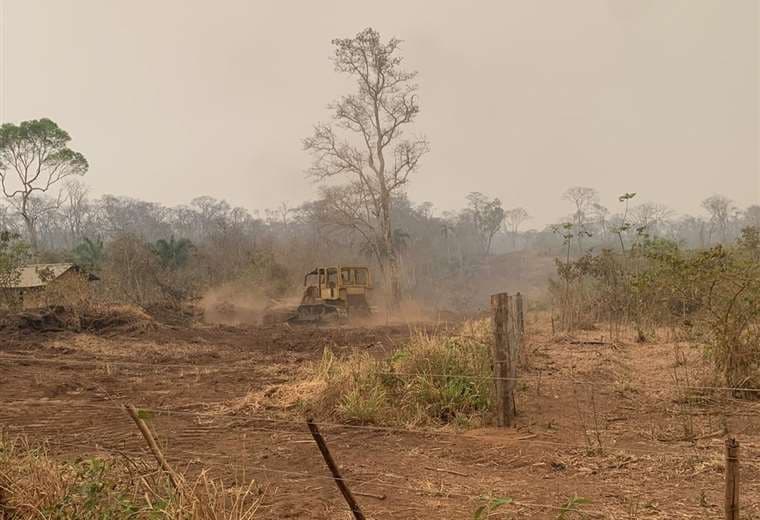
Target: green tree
(172, 253)
(89, 253)
(14, 253)
(34, 156)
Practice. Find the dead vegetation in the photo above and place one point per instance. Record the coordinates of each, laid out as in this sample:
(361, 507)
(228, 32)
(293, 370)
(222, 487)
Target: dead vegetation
(646, 429)
(119, 487)
(97, 318)
(435, 378)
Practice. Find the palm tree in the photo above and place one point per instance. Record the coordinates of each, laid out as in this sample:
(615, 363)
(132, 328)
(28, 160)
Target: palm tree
(172, 253)
(89, 253)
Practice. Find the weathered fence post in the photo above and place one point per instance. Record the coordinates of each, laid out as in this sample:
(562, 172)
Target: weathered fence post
(520, 314)
(333, 467)
(504, 358)
(732, 479)
(174, 478)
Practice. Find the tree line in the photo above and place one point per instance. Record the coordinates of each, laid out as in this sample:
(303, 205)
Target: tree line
(368, 151)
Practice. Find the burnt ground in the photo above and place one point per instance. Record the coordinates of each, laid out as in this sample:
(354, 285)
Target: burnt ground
(636, 442)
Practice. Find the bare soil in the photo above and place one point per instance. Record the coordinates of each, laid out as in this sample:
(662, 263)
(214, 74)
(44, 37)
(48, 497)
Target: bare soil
(611, 423)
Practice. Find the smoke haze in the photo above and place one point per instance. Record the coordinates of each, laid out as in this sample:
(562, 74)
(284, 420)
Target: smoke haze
(520, 100)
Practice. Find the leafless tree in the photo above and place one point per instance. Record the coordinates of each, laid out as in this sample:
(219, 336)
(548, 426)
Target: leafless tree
(514, 218)
(210, 213)
(279, 216)
(650, 217)
(349, 207)
(584, 200)
(366, 142)
(752, 216)
(74, 209)
(720, 209)
(600, 215)
(486, 216)
(42, 209)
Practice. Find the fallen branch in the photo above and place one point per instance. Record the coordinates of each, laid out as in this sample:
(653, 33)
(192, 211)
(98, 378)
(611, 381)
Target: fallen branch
(443, 470)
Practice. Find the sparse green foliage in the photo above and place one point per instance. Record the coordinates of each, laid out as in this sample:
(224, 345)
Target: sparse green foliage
(90, 253)
(571, 507)
(490, 504)
(713, 293)
(173, 253)
(14, 253)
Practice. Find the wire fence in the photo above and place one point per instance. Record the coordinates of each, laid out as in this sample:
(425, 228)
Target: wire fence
(357, 483)
(300, 424)
(158, 365)
(367, 479)
(296, 431)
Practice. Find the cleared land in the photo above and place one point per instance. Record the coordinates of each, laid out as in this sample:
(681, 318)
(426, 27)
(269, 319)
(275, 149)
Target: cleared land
(636, 442)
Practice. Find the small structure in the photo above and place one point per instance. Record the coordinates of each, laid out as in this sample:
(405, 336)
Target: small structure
(38, 285)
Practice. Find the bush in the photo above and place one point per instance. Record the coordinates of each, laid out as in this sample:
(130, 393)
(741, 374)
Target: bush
(712, 295)
(435, 379)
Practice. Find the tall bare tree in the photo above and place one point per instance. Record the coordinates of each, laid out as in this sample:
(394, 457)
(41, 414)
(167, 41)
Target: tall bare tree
(486, 216)
(74, 210)
(584, 200)
(366, 142)
(650, 217)
(752, 216)
(514, 218)
(35, 156)
(721, 209)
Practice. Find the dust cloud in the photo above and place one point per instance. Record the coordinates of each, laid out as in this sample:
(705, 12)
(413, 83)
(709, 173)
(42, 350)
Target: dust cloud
(238, 303)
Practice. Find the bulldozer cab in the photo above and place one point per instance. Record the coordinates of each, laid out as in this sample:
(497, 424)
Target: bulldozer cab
(334, 293)
(336, 283)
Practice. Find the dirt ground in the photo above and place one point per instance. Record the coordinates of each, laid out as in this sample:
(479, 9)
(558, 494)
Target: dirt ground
(612, 423)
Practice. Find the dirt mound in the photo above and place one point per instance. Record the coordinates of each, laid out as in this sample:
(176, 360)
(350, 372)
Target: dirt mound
(102, 319)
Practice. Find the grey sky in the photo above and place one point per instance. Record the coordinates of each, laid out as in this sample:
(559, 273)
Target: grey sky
(172, 99)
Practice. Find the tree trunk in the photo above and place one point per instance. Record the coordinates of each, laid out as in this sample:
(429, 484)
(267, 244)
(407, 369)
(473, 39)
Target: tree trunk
(395, 279)
(391, 260)
(31, 231)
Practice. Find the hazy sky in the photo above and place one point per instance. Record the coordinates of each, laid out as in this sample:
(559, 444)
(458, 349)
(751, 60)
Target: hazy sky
(170, 99)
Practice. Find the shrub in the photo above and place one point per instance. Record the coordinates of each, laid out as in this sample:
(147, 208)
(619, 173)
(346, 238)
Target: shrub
(711, 294)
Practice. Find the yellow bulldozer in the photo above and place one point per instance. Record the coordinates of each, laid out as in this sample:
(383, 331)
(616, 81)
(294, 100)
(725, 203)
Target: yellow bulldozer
(334, 294)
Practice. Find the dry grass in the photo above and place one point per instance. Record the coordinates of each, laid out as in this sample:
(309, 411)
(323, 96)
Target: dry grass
(35, 485)
(434, 379)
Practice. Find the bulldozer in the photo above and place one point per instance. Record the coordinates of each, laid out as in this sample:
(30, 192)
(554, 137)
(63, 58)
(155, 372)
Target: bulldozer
(334, 294)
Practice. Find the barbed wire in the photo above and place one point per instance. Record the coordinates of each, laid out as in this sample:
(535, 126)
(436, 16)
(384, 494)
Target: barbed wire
(390, 429)
(353, 481)
(281, 379)
(156, 366)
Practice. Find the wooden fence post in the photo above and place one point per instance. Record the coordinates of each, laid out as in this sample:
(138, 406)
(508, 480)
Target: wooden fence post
(519, 307)
(504, 359)
(174, 478)
(333, 467)
(732, 479)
